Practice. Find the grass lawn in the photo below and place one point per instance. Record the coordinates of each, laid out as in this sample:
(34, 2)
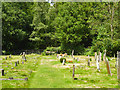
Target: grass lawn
(48, 72)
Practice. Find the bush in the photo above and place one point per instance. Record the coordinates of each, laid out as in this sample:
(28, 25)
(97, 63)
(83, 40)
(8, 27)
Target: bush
(61, 60)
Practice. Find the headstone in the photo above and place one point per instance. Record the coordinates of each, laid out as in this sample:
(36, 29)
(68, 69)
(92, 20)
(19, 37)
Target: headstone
(118, 69)
(73, 72)
(10, 77)
(63, 62)
(88, 60)
(22, 62)
(72, 52)
(99, 56)
(97, 63)
(12, 68)
(24, 58)
(108, 67)
(104, 56)
(116, 65)
(2, 72)
(15, 64)
(77, 59)
(10, 56)
(95, 56)
(5, 58)
(26, 79)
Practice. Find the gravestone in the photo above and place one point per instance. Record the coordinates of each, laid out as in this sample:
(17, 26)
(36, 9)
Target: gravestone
(15, 64)
(118, 69)
(95, 56)
(77, 59)
(73, 72)
(72, 52)
(5, 58)
(10, 78)
(2, 72)
(88, 61)
(63, 62)
(26, 79)
(108, 67)
(99, 56)
(116, 65)
(104, 56)
(97, 63)
(24, 58)
(10, 56)
(12, 68)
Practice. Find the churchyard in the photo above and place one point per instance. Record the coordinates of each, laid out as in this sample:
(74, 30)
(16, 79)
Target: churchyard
(46, 71)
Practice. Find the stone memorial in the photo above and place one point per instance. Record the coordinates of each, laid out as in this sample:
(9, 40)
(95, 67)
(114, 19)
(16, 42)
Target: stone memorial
(108, 67)
(2, 72)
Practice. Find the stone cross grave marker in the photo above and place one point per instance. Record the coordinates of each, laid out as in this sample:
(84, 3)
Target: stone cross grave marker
(97, 63)
(2, 72)
(88, 60)
(95, 56)
(108, 67)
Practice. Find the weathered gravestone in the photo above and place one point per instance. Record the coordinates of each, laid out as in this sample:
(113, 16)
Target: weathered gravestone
(77, 59)
(63, 62)
(2, 72)
(73, 72)
(12, 68)
(95, 56)
(24, 58)
(116, 65)
(5, 58)
(88, 60)
(99, 57)
(15, 64)
(108, 67)
(72, 53)
(22, 62)
(118, 69)
(97, 63)
(104, 56)
(10, 56)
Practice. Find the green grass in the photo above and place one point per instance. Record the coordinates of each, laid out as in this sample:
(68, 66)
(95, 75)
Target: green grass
(48, 72)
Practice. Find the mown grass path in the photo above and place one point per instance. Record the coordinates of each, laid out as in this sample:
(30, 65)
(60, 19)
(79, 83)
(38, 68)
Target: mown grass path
(47, 76)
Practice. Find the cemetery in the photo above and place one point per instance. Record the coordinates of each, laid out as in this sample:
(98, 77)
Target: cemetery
(52, 44)
(59, 71)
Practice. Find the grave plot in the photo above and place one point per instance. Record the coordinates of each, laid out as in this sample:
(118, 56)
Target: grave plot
(92, 75)
(17, 74)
